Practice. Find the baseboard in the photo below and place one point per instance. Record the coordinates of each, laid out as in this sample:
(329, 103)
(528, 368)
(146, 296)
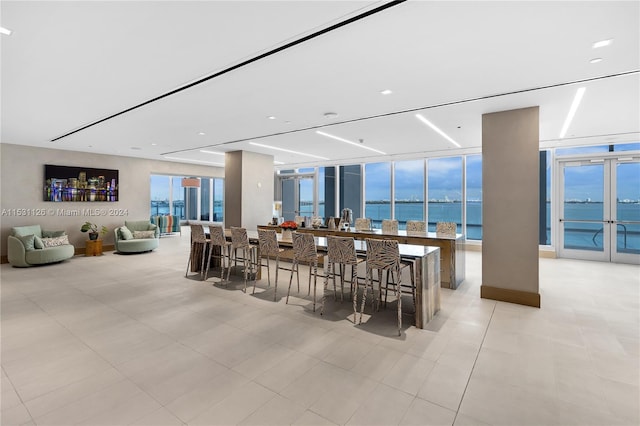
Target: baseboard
(542, 253)
(512, 296)
(547, 254)
(107, 247)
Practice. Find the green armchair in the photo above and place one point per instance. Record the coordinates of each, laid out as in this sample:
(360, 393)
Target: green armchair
(137, 236)
(30, 246)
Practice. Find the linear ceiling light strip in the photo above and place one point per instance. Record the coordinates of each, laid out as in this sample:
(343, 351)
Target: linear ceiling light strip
(404, 111)
(242, 64)
(572, 111)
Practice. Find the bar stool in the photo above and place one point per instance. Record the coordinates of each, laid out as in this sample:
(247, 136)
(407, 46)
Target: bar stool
(383, 256)
(218, 240)
(240, 241)
(268, 244)
(416, 226)
(389, 226)
(363, 224)
(446, 229)
(342, 251)
(304, 250)
(198, 238)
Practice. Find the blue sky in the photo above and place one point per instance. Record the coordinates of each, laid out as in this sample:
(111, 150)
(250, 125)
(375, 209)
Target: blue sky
(445, 178)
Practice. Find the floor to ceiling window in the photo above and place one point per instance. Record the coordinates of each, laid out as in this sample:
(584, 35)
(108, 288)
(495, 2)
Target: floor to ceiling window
(444, 191)
(408, 184)
(170, 197)
(218, 200)
(351, 189)
(377, 192)
(474, 197)
(205, 199)
(397, 190)
(160, 195)
(178, 207)
(545, 198)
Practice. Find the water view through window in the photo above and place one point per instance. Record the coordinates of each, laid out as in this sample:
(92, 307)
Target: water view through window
(397, 190)
(409, 191)
(168, 198)
(445, 191)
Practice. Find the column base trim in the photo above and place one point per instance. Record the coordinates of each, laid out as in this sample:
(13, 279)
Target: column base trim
(512, 296)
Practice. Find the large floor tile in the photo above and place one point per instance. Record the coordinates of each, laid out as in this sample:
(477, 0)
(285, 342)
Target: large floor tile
(425, 413)
(383, 406)
(151, 347)
(236, 406)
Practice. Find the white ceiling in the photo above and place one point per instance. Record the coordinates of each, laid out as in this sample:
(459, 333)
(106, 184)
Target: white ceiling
(68, 64)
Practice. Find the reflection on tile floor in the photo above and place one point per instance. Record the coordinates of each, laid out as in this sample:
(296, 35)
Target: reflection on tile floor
(120, 340)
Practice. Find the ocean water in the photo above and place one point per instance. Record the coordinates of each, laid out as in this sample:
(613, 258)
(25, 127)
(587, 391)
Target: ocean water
(586, 236)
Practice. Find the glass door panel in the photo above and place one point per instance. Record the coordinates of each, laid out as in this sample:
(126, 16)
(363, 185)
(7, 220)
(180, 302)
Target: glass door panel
(297, 197)
(583, 215)
(289, 210)
(305, 198)
(600, 209)
(626, 218)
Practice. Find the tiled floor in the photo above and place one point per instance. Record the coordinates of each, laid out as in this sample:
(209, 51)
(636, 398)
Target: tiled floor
(118, 340)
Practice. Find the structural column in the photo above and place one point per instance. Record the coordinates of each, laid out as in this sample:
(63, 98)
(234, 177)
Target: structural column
(510, 211)
(248, 189)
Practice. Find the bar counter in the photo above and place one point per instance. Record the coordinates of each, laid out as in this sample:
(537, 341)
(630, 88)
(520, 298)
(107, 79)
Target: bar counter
(427, 272)
(452, 258)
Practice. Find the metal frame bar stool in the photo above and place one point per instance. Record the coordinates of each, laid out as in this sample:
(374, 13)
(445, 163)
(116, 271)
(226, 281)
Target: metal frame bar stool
(304, 250)
(390, 226)
(342, 251)
(269, 248)
(218, 239)
(383, 255)
(240, 241)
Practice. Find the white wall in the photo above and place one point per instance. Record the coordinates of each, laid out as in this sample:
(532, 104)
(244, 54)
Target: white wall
(22, 179)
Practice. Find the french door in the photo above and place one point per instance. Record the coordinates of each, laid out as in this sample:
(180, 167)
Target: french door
(599, 209)
(297, 196)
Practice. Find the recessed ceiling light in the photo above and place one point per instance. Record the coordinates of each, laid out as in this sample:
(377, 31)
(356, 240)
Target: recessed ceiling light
(136, 148)
(201, 133)
(572, 111)
(602, 43)
(287, 150)
(437, 130)
(278, 162)
(595, 60)
(271, 117)
(154, 144)
(386, 92)
(5, 31)
(211, 152)
(338, 138)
